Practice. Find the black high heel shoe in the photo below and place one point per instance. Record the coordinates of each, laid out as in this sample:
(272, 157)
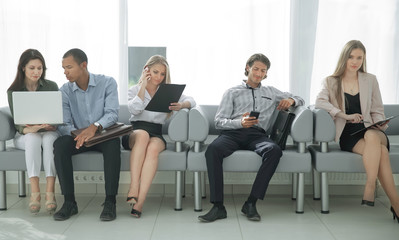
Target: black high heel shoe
(135, 213)
(368, 203)
(394, 214)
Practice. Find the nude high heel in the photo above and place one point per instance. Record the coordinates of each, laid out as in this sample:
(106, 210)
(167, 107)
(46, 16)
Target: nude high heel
(51, 204)
(34, 204)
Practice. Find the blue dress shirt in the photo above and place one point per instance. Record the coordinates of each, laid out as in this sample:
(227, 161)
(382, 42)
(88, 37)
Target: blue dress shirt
(99, 103)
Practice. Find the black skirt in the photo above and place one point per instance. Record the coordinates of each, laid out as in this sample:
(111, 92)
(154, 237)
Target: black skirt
(153, 129)
(347, 141)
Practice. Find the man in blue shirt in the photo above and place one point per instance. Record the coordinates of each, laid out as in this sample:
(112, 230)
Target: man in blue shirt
(89, 101)
(240, 131)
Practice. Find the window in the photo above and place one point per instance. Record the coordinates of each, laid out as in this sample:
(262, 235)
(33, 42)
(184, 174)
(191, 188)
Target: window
(138, 56)
(208, 42)
(54, 27)
(375, 24)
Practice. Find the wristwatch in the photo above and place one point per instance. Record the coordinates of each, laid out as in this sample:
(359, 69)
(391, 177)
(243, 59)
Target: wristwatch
(98, 125)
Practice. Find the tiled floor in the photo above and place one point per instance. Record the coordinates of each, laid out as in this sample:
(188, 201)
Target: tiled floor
(347, 220)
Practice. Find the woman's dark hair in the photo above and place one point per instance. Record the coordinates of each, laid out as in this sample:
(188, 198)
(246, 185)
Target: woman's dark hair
(29, 54)
(77, 54)
(257, 57)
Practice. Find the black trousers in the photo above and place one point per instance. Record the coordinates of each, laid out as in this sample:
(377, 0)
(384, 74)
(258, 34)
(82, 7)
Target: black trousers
(241, 139)
(64, 148)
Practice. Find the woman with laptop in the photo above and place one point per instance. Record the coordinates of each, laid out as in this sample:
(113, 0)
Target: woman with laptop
(146, 141)
(352, 97)
(37, 138)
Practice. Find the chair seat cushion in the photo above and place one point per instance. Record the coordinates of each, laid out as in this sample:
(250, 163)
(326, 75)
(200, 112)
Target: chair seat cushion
(249, 161)
(14, 160)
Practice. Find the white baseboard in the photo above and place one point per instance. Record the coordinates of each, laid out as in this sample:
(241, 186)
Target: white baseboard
(235, 183)
(229, 189)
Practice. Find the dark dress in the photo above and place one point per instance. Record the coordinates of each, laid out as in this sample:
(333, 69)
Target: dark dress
(347, 141)
(352, 106)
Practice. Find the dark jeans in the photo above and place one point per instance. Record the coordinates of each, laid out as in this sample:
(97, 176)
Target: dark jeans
(64, 148)
(241, 139)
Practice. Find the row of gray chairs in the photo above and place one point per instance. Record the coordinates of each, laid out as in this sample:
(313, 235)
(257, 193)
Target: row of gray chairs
(188, 133)
(296, 159)
(173, 158)
(328, 158)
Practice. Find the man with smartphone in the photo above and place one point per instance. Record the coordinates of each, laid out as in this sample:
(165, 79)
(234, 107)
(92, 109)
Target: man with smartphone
(247, 131)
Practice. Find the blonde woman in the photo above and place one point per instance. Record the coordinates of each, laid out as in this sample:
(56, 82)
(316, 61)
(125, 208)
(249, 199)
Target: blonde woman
(146, 141)
(352, 97)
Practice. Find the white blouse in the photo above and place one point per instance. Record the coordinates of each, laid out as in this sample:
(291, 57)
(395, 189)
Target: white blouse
(136, 106)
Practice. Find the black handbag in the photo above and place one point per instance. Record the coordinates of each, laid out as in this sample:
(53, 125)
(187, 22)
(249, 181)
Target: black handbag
(281, 128)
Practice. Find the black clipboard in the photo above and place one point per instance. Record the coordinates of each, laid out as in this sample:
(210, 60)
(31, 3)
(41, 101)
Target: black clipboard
(165, 95)
(375, 124)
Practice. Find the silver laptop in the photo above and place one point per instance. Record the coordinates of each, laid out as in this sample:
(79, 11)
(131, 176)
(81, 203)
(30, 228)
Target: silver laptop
(41, 107)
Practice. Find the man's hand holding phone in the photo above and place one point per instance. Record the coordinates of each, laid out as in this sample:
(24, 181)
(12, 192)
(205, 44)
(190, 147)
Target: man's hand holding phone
(248, 121)
(254, 114)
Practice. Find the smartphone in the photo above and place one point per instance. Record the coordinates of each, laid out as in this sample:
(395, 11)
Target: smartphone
(254, 114)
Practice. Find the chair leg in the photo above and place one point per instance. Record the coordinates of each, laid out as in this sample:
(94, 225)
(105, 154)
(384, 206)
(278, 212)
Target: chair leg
(183, 182)
(3, 191)
(178, 193)
(324, 193)
(300, 201)
(316, 185)
(294, 186)
(197, 192)
(203, 184)
(21, 184)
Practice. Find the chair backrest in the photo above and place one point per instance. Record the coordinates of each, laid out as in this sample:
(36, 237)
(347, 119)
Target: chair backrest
(202, 123)
(7, 127)
(323, 126)
(392, 110)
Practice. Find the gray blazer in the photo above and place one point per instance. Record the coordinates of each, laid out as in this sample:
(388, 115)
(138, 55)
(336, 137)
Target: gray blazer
(370, 101)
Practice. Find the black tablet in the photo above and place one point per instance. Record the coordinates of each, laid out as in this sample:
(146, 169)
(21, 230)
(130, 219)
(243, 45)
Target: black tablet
(166, 94)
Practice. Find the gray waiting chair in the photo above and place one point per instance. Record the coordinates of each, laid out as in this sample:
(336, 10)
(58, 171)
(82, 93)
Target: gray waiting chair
(296, 159)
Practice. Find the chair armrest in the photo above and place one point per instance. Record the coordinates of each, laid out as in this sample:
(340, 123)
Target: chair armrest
(7, 128)
(323, 127)
(198, 125)
(302, 126)
(178, 126)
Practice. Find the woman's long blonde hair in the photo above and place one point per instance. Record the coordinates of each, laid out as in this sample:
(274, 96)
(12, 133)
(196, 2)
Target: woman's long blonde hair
(341, 66)
(158, 59)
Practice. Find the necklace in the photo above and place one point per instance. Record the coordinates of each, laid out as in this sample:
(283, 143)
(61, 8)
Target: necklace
(352, 88)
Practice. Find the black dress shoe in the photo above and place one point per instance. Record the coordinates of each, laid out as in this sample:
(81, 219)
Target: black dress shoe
(109, 211)
(249, 210)
(214, 214)
(67, 210)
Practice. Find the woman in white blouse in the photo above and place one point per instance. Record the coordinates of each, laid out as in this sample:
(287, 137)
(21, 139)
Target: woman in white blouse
(146, 141)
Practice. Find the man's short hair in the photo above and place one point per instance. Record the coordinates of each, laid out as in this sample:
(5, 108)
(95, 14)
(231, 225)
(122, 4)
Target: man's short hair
(257, 57)
(77, 54)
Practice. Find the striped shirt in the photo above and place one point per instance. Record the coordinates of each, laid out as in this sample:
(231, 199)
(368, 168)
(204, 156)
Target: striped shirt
(242, 98)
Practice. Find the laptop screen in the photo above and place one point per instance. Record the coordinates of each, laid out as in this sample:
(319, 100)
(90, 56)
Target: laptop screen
(40, 107)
